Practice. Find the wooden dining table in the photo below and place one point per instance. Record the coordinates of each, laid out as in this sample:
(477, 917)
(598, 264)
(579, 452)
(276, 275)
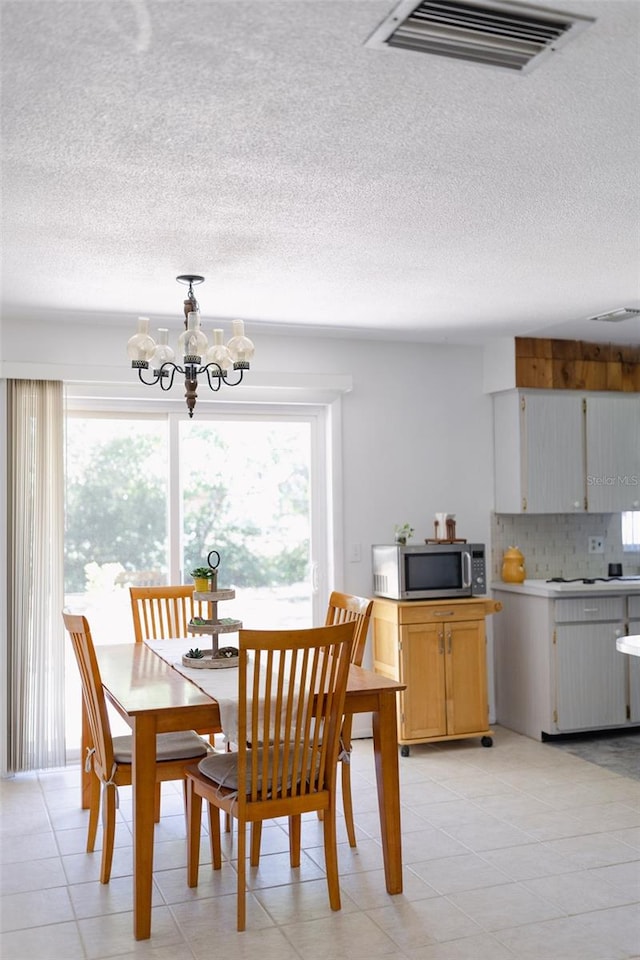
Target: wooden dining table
(153, 697)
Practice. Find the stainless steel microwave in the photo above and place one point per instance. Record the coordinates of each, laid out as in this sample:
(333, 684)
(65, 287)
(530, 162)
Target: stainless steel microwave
(430, 571)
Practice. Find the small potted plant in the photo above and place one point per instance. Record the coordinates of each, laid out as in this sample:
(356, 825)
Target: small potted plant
(201, 577)
(195, 658)
(403, 533)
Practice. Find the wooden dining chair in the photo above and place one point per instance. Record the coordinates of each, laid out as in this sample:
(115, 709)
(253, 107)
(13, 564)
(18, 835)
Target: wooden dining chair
(165, 611)
(111, 757)
(342, 608)
(346, 608)
(292, 686)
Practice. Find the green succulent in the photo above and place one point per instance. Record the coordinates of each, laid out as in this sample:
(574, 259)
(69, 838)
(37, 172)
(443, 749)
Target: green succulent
(195, 654)
(199, 572)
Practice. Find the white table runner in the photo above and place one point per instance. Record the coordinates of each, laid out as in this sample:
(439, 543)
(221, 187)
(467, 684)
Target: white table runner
(221, 684)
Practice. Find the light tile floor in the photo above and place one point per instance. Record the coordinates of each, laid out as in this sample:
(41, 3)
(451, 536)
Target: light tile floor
(518, 851)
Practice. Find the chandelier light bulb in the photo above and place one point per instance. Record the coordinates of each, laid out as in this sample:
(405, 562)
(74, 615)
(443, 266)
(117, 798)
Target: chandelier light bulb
(193, 343)
(163, 352)
(140, 346)
(240, 347)
(218, 353)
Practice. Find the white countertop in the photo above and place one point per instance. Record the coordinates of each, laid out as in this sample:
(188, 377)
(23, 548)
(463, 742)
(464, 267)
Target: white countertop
(541, 588)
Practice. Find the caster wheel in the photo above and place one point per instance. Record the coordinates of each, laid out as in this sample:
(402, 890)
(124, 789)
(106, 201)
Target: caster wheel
(487, 741)
(404, 751)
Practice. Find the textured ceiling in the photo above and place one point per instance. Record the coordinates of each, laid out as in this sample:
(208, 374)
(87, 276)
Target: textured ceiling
(313, 180)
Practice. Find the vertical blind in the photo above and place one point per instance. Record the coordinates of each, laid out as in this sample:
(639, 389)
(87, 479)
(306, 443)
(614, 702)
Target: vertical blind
(35, 528)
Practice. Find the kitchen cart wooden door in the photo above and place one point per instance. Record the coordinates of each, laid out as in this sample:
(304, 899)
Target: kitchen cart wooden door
(423, 714)
(466, 677)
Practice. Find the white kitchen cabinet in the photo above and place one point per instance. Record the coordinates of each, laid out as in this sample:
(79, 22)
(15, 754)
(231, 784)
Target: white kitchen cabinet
(633, 628)
(557, 669)
(539, 452)
(591, 677)
(566, 452)
(522, 643)
(613, 453)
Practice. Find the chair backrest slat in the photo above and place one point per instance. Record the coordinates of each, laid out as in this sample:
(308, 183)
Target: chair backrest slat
(343, 608)
(92, 691)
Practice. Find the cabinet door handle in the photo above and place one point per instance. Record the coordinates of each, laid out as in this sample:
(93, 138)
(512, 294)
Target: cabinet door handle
(443, 613)
(441, 644)
(449, 639)
(590, 610)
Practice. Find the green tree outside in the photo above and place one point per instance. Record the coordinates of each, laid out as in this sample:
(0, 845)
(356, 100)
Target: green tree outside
(116, 509)
(247, 498)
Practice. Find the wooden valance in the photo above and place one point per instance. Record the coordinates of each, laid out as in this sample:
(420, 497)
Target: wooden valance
(576, 365)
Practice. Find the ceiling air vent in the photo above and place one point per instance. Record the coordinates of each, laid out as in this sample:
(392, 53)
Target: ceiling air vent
(498, 34)
(615, 316)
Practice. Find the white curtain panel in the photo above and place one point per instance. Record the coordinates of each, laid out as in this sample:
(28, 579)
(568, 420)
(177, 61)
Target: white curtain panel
(35, 525)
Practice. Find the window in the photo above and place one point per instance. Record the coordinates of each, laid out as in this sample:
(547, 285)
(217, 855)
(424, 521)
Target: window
(631, 530)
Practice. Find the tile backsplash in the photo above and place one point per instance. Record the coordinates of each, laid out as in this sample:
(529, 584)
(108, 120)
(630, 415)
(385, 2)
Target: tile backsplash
(557, 545)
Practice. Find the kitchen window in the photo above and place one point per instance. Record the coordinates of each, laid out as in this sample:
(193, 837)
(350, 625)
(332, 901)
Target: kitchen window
(631, 530)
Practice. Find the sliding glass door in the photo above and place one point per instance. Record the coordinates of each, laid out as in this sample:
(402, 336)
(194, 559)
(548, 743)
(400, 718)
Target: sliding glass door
(245, 492)
(149, 497)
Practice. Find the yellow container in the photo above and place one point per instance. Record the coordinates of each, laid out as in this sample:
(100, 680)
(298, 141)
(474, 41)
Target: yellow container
(513, 570)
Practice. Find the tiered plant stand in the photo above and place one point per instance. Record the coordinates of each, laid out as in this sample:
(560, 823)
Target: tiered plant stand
(216, 656)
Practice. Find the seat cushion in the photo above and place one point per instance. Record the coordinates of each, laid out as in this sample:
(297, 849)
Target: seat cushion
(182, 745)
(222, 769)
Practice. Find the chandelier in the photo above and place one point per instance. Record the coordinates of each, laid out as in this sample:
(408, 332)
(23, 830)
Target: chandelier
(220, 360)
